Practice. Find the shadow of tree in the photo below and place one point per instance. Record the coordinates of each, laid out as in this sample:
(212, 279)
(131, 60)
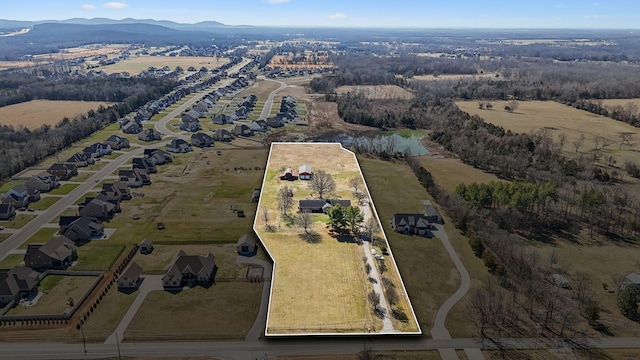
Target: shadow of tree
(311, 237)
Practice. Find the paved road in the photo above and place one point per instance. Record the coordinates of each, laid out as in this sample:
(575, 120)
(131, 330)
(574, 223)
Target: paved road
(286, 347)
(266, 110)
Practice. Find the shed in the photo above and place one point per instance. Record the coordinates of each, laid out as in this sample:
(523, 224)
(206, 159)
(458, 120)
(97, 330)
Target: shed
(247, 244)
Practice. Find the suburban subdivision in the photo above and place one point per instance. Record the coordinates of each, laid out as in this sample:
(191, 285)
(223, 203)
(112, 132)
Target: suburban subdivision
(333, 268)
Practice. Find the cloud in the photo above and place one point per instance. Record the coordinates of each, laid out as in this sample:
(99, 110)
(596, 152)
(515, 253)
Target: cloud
(114, 5)
(276, 1)
(337, 16)
(597, 16)
(88, 7)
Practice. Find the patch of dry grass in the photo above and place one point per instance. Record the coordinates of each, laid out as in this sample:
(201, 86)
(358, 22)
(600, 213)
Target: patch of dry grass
(377, 92)
(34, 113)
(222, 311)
(54, 301)
(449, 172)
(136, 65)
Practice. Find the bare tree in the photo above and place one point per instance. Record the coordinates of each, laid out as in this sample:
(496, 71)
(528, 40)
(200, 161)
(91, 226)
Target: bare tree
(625, 137)
(370, 228)
(266, 217)
(562, 139)
(511, 106)
(578, 142)
(355, 183)
(630, 109)
(322, 183)
(305, 221)
(373, 297)
(285, 200)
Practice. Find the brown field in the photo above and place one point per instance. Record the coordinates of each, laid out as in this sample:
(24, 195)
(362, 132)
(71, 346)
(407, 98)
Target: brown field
(286, 61)
(35, 113)
(557, 118)
(620, 102)
(83, 51)
(377, 92)
(321, 274)
(449, 172)
(5, 65)
(221, 311)
(57, 289)
(136, 65)
(261, 89)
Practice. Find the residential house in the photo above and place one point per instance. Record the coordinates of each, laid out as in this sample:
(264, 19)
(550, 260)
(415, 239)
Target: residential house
(289, 175)
(80, 228)
(222, 119)
(178, 146)
(131, 127)
(116, 191)
(17, 283)
(81, 159)
(44, 182)
(149, 135)
(241, 113)
(98, 150)
(242, 130)
(131, 178)
(117, 142)
(632, 278)
(320, 205)
(157, 156)
(222, 135)
(247, 245)
(431, 213)
(201, 108)
(201, 140)
(99, 208)
(145, 164)
(57, 253)
(187, 269)
(143, 175)
(7, 211)
(64, 171)
(195, 114)
(131, 277)
(21, 196)
(411, 224)
(146, 246)
(190, 125)
(259, 126)
(304, 172)
(275, 122)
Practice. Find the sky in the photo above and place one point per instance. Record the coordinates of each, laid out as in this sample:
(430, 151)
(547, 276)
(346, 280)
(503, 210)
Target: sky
(598, 14)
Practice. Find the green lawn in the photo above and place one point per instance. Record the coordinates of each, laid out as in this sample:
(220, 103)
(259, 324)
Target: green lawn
(9, 184)
(64, 189)
(97, 255)
(42, 236)
(11, 260)
(108, 314)
(18, 221)
(4, 237)
(44, 203)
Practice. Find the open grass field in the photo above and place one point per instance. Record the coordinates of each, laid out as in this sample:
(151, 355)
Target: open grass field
(454, 77)
(136, 65)
(450, 172)
(427, 270)
(286, 61)
(221, 311)
(558, 118)
(326, 275)
(97, 255)
(620, 102)
(377, 92)
(64, 189)
(34, 113)
(57, 289)
(10, 184)
(192, 197)
(44, 203)
(261, 89)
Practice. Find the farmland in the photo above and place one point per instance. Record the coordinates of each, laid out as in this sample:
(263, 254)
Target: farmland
(449, 172)
(136, 65)
(35, 113)
(533, 116)
(377, 92)
(322, 273)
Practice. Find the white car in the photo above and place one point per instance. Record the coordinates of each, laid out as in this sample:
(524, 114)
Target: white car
(374, 252)
(378, 256)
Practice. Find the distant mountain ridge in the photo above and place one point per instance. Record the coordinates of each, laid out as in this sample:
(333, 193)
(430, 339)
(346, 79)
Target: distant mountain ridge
(203, 25)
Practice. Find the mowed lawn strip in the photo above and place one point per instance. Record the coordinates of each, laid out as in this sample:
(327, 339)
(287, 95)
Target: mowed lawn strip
(64, 189)
(44, 203)
(41, 236)
(18, 221)
(222, 311)
(54, 299)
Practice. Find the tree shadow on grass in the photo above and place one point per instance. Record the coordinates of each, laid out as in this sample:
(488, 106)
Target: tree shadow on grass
(311, 237)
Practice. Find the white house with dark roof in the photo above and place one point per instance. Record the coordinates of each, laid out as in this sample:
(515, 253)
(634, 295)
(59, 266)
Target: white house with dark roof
(187, 269)
(411, 224)
(131, 277)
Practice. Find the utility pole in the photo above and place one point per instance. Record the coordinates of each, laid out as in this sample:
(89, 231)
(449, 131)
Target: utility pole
(118, 344)
(84, 342)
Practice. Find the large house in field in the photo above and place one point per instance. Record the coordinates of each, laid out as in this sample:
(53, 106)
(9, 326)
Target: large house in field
(131, 277)
(187, 269)
(80, 228)
(57, 253)
(320, 205)
(411, 224)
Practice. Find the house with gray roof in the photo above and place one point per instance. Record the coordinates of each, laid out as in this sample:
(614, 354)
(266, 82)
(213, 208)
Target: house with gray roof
(178, 146)
(81, 159)
(7, 211)
(201, 140)
(64, 171)
(247, 244)
(222, 135)
(17, 283)
(44, 182)
(187, 269)
(99, 208)
(57, 253)
(320, 205)
(222, 119)
(131, 277)
(80, 228)
(117, 142)
(411, 224)
(20, 196)
(431, 213)
(149, 135)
